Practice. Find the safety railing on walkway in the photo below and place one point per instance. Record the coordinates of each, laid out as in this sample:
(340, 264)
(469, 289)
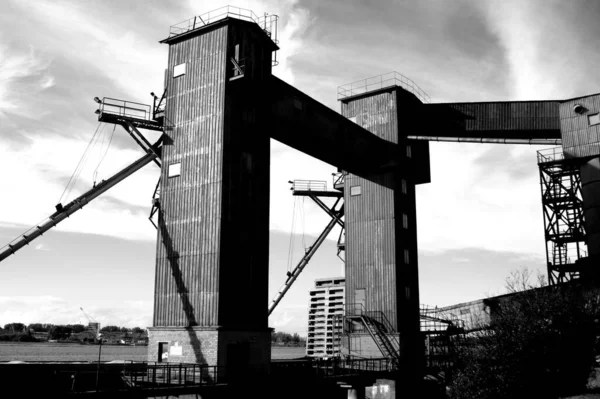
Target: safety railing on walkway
(125, 108)
(389, 79)
(550, 155)
(171, 374)
(309, 185)
(332, 367)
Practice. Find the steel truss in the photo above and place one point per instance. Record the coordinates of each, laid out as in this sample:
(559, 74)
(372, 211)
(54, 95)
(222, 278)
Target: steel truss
(563, 217)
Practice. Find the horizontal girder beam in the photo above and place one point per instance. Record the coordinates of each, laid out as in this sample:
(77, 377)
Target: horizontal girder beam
(299, 121)
(521, 120)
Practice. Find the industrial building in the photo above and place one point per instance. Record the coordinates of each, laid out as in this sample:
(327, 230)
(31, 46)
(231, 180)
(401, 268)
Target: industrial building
(325, 312)
(220, 107)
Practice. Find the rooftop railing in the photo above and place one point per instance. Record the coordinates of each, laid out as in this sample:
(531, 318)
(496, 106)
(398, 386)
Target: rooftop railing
(390, 79)
(550, 155)
(267, 22)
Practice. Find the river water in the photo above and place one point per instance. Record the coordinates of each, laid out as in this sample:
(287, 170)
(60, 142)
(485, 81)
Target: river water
(55, 352)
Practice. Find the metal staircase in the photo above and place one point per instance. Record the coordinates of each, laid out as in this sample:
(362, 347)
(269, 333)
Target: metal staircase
(378, 327)
(388, 345)
(563, 215)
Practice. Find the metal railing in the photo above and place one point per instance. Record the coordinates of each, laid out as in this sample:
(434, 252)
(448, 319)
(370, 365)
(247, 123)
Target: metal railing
(337, 367)
(389, 79)
(338, 179)
(268, 23)
(171, 374)
(126, 108)
(333, 367)
(309, 185)
(550, 155)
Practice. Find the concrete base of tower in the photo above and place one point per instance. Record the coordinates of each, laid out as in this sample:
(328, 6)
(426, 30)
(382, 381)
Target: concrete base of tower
(214, 346)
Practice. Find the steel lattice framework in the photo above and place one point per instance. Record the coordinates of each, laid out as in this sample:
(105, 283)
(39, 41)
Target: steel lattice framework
(563, 216)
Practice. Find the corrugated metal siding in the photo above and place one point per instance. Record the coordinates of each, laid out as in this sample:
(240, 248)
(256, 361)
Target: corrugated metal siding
(371, 236)
(528, 119)
(376, 239)
(378, 114)
(590, 187)
(243, 286)
(187, 264)
(371, 244)
(579, 138)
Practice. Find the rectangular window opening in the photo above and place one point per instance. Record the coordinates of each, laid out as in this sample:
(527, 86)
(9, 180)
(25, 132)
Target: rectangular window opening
(405, 220)
(594, 119)
(355, 190)
(175, 169)
(179, 70)
(406, 257)
(404, 187)
(408, 151)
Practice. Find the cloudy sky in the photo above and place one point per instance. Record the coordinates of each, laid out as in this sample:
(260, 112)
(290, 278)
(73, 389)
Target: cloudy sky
(479, 219)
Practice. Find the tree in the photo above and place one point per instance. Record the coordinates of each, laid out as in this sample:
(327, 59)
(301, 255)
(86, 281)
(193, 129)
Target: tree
(138, 330)
(540, 343)
(15, 328)
(77, 328)
(60, 332)
(110, 329)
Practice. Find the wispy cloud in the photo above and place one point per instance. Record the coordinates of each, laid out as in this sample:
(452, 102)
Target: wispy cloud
(42, 247)
(23, 74)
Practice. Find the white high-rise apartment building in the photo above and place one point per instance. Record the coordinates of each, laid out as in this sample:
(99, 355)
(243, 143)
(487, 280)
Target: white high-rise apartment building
(325, 312)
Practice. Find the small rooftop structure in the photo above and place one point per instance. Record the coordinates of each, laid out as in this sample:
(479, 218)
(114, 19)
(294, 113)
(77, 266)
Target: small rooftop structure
(267, 22)
(389, 79)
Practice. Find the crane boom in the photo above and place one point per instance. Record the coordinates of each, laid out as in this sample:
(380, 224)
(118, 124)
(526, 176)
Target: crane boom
(86, 315)
(75, 205)
(304, 261)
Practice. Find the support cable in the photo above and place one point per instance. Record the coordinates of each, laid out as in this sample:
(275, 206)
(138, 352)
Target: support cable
(79, 164)
(105, 152)
(291, 243)
(86, 157)
(303, 262)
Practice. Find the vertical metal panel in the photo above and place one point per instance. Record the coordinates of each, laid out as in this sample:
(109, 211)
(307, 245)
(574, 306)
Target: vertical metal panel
(579, 138)
(375, 237)
(243, 286)
(213, 242)
(590, 187)
(371, 233)
(187, 265)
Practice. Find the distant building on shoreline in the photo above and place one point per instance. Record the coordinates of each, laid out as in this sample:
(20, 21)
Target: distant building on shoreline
(325, 313)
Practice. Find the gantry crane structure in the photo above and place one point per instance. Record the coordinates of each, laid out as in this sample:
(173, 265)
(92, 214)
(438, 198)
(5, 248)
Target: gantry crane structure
(223, 105)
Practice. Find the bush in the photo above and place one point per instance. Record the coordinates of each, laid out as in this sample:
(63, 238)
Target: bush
(25, 338)
(17, 338)
(541, 343)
